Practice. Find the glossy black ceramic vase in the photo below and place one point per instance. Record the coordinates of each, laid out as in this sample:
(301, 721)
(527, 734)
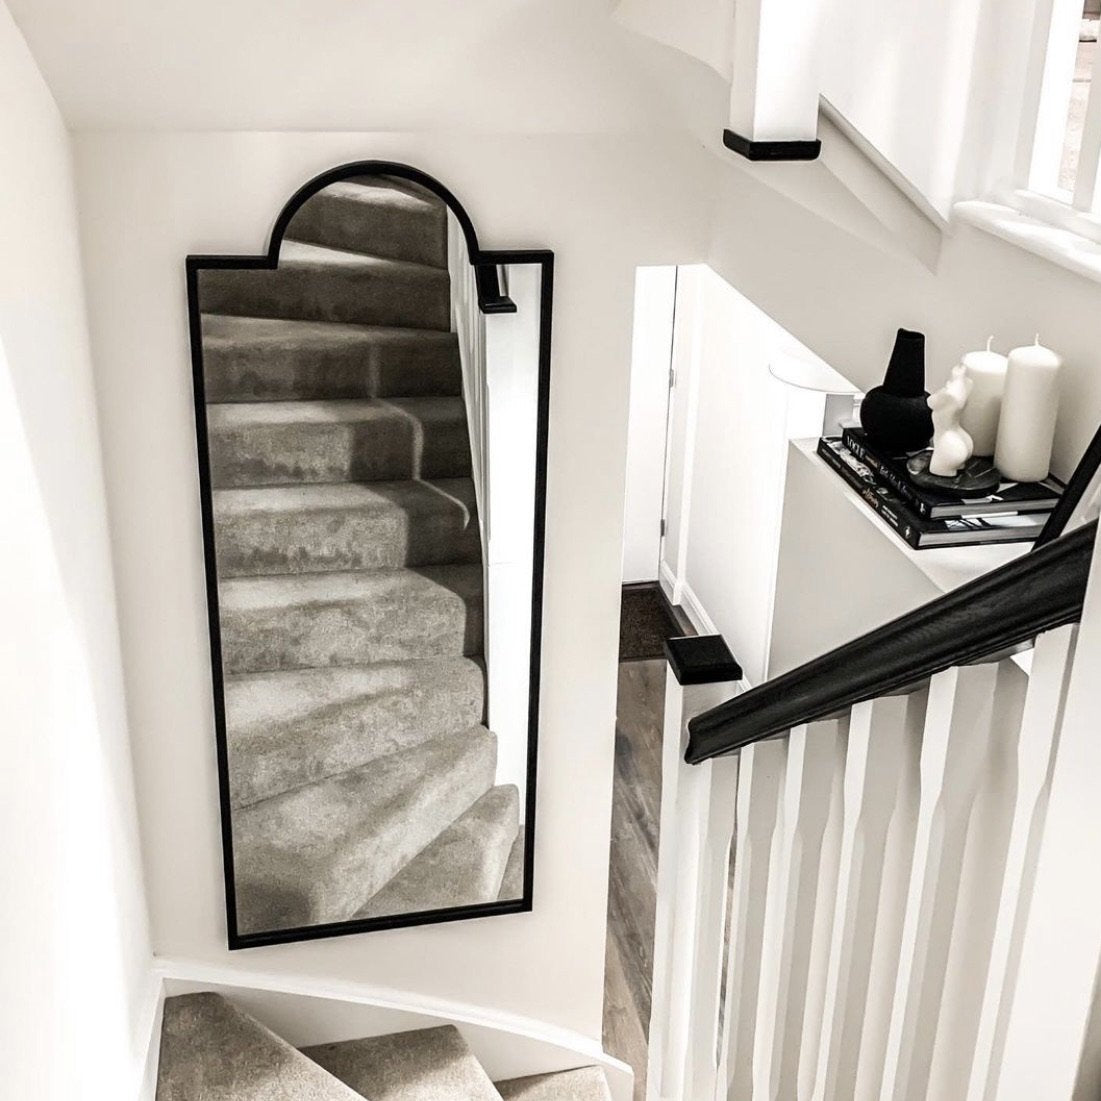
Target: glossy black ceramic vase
(896, 415)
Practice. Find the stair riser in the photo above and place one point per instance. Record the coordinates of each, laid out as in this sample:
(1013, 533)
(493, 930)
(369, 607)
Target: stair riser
(272, 759)
(259, 373)
(319, 541)
(274, 891)
(396, 626)
(512, 880)
(367, 451)
(417, 234)
(464, 866)
(415, 298)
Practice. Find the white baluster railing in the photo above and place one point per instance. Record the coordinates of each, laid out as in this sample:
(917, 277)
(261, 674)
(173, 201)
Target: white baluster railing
(868, 907)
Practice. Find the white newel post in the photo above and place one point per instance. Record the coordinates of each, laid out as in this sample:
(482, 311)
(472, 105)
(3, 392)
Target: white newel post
(774, 92)
(696, 830)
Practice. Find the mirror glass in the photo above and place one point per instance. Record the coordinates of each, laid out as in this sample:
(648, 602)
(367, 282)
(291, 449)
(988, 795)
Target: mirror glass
(371, 402)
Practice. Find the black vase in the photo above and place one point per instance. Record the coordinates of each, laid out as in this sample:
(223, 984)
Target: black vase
(896, 415)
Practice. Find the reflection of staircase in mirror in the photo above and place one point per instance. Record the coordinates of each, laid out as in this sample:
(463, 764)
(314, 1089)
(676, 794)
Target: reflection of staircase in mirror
(211, 1050)
(350, 573)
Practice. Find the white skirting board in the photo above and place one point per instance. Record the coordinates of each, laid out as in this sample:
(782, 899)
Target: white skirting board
(305, 1011)
(680, 593)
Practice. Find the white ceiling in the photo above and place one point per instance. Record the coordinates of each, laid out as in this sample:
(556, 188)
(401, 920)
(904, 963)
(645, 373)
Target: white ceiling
(504, 65)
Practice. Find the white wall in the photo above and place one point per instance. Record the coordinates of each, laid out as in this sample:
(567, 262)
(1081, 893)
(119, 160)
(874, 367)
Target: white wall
(484, 65)
(726, 489)
(78, 994)
(147, 200)
(651, 348)
(936, 87)
(844, 298)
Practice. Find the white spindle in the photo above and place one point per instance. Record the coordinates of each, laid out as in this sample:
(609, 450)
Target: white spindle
(821, 936)
(954, 746)
(711, 926)
(880, 791)
(1035, 755)
(760, 774)
(1052, 1048)
(789, 907)
(969, 926)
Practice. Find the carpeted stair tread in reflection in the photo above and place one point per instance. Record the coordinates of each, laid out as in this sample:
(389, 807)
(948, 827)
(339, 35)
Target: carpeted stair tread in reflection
(247, 359)
(319, 852)
(321, 283)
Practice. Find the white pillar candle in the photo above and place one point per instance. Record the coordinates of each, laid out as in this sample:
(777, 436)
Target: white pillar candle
(1026, 429)
(987, 371)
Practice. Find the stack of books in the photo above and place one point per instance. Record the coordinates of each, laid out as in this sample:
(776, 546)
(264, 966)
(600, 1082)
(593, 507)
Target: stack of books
(1014, 513)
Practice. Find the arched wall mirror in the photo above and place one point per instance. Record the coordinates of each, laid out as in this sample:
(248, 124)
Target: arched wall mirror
(371, 409)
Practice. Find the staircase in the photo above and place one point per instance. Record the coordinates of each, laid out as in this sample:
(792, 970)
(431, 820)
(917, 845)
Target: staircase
(213, 1051)
(350, 577)
(873, 866)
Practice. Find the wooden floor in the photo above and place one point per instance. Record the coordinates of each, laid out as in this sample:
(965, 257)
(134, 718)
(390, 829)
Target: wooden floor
(632, 887)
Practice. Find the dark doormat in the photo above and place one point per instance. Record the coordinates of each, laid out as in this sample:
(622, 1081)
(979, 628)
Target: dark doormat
(646, 620)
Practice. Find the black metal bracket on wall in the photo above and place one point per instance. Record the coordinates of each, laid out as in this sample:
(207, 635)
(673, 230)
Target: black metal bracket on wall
(491, 299)
(772, 150)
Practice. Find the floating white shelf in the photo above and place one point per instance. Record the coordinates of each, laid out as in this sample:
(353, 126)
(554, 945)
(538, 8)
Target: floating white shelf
(843, 571)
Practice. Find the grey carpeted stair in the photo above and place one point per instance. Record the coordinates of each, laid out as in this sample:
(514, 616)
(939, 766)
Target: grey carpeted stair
(463, 866)
(430, 1064)
(347, 526)
(279, 359)
(584, 1084)
(289, 728)
(318, 853)
(318, 283)
(287, 443)
(512, 882)
(388, 218)
(304, 621)
(211, 1051)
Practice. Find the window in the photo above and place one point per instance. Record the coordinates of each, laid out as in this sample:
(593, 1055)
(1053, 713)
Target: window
(1066, 139)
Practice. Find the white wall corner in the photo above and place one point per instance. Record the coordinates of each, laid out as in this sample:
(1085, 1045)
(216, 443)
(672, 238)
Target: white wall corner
(854, 187)
(911, 220)
(703, 29)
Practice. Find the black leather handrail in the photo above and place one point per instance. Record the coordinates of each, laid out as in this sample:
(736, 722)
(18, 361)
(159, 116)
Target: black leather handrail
(1002, 609)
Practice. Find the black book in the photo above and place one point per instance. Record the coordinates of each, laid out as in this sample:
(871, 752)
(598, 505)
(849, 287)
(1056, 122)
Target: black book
(919, 532)
(936, 504)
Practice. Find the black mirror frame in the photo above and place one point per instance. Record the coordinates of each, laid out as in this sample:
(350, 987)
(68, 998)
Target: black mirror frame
(486, 263)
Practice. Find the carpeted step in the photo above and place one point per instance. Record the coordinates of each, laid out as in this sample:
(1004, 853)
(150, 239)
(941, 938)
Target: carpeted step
(286, 729)
(276, 359)
(294, 442)
(376, 216)
(306, 621)
(315, 283)
(317, 853)
(462, 867)
(512, 882)
(583, 1084)
(212, 1051)
(428, 1064)
(346, 526)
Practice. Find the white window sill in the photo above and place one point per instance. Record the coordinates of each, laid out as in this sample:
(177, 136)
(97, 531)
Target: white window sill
(1069, 250)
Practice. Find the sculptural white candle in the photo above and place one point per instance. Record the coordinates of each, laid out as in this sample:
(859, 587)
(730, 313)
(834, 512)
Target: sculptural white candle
(1026, 428)
(987, 371)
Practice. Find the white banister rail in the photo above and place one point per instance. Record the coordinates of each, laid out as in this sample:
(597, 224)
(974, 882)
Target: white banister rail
(898, 903)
